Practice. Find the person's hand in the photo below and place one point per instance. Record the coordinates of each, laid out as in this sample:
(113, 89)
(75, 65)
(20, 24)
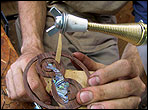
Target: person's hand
(116, 86)
(14, 79)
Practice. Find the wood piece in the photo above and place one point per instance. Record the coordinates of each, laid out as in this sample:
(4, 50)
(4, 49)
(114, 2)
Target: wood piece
(42, 61)
(57, 58)
(74, 85)
(59, 49)
(73, 89)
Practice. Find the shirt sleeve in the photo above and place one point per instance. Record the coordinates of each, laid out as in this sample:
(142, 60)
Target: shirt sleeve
(140, 11)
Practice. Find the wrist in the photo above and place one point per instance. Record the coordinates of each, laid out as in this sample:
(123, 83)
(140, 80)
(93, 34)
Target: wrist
(32, 46)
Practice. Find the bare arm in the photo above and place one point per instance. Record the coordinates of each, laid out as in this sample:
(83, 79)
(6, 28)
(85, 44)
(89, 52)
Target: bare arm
(32, 19)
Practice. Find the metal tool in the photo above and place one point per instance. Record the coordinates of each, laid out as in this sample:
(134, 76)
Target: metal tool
(135, 33)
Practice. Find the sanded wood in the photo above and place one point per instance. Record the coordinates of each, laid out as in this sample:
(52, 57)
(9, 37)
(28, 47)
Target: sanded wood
(59, 49)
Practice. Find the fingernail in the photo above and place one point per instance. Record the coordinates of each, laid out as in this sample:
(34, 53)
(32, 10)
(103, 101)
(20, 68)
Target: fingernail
(86, 96)
(94, 81)
(97, 106)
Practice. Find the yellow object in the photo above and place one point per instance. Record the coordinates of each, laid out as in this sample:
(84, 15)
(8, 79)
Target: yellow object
(59, 49)
(134, 33)
(57, 58)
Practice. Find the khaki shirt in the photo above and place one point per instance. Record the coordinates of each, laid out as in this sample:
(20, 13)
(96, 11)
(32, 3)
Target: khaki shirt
(99, 47)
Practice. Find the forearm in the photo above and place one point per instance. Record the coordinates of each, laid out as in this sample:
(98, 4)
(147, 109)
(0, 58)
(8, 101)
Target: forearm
(32, 19)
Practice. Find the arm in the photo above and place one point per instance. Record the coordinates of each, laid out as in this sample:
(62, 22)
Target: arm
(32, 19)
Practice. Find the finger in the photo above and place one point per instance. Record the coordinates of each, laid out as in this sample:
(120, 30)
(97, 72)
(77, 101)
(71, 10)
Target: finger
(114, 90)
(124, 103)
(111, 72)
(10, 85)
(76, 66)
(89, 63)
(19, 85)
(36, 85)
(18, 81)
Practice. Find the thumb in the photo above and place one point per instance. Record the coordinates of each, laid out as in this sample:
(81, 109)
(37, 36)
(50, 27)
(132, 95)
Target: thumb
(89, 63)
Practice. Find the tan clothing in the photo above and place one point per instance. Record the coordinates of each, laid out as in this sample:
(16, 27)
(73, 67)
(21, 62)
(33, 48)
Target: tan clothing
(97, 7)
(100, 47)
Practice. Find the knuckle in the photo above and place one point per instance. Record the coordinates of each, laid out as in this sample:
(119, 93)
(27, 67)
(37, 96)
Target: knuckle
(126, 86)
(21, 93)
(134, 102)
(135, 86)
(8, 73)
(102, 73)
(126, 64)
(13, 96)
(13, 66)
(34, 85)
(139, 100)
(143, 87)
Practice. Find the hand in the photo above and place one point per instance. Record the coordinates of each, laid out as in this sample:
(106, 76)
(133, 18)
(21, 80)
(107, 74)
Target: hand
(14, 79)
(116, 86)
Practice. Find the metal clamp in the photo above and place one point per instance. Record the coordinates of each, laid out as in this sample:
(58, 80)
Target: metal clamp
(66, 23)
